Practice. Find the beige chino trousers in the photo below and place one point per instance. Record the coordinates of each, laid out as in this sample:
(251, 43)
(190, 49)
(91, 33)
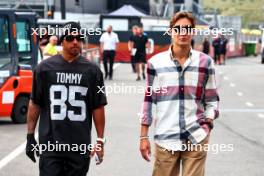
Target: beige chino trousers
(167, 163)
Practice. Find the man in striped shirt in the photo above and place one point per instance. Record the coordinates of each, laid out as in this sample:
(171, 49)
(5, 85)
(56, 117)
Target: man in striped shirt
(181, 83)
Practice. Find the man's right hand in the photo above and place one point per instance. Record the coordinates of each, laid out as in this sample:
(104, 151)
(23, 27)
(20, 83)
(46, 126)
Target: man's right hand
(31, 146)
(145, 149)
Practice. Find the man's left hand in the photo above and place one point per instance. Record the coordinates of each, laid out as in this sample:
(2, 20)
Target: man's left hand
(99, 150)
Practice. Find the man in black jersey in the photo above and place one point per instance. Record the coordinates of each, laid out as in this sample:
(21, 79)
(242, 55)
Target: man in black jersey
(66, 94)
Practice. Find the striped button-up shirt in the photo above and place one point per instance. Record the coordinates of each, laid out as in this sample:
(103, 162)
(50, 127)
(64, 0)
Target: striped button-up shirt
(184, 97)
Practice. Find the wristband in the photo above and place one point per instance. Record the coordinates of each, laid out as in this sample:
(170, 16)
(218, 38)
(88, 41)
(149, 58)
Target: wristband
(30, 136)
(144, 137)
(103, 140)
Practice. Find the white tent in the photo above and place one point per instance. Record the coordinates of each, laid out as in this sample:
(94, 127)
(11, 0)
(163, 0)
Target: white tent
(127, 10)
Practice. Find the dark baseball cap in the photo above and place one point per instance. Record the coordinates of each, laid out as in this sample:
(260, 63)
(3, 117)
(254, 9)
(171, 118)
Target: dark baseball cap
(70, 27)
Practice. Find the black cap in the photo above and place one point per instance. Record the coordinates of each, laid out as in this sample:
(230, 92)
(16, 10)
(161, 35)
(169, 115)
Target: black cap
(70, 27)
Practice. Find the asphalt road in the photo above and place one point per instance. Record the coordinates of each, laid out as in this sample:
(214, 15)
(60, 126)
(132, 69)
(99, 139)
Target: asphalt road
(241, 126)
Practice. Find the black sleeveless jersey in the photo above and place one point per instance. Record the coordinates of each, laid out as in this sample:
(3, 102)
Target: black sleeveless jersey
(67, 94)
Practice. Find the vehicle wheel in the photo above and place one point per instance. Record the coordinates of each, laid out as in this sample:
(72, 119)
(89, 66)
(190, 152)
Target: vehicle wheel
(19, 113)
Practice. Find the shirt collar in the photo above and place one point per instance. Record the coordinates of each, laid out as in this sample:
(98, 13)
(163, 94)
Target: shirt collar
(190, 54)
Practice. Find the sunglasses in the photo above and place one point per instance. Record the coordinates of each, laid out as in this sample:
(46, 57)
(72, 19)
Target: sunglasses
(70, 38)
(188, 29)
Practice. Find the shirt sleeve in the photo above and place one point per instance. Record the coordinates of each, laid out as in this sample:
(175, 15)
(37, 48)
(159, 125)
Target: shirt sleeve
(117, 39)
(131, 38)
(211, 94)
(149, 98)
(46, 49)
(99, 97)
(102, 38)
(37, 91)
(146, 39)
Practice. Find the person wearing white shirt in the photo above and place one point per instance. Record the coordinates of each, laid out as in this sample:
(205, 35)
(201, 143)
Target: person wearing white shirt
(109, 41)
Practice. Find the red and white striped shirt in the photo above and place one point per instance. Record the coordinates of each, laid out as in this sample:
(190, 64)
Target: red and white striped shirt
(184, 98)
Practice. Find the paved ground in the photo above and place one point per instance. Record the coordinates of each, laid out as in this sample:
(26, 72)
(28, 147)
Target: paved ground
(240, 125)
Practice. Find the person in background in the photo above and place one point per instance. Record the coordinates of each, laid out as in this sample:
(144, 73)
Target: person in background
(206, 46)
(140, 43)
(223, 45)
(109, 41)
(131, 49)
(262, 56)
(216, 45)
(259, 47)
(51, 48)
(44, 39)
(192, 43)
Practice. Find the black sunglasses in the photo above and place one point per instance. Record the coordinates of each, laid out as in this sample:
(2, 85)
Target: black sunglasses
(183, 29)
(70, 38)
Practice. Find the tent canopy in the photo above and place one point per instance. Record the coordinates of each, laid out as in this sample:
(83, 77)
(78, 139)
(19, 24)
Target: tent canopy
(127, 10)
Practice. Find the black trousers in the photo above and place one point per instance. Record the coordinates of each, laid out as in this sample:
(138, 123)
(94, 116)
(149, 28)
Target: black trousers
(262, 56)
(133, 63)
(216, 57)
(63, 164)
(109, 55)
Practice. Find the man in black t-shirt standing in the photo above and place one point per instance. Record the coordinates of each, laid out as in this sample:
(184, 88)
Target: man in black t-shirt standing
(140, 43)
(222, 47)
(67, 95)
(216, 45)
(131, 48)
(206, 46)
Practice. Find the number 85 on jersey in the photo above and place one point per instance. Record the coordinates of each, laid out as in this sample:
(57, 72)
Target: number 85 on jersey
(70, 95)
